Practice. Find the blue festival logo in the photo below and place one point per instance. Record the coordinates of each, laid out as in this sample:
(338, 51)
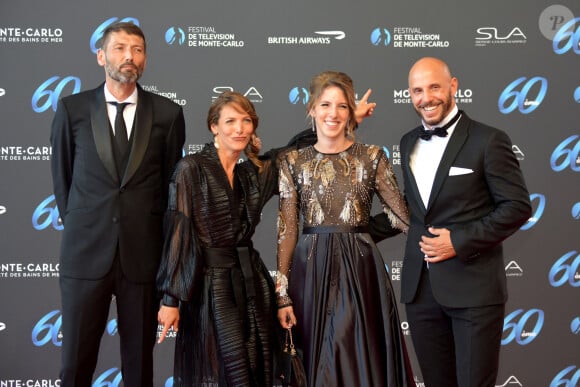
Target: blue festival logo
(537, 215)
(48, 329)
(169, 382)
(51, 90)
(387, 152)
(174, 35)
(514, 326)
(576, 211)
(567, 154)
(46, 214)
(513, 97)
(112, 327)
(577, 95)
(110, 378)
(569, 376)
(575, 326)
(298, 94)
(96, 37)
(380, 36)
(567, 37)
(566, 270)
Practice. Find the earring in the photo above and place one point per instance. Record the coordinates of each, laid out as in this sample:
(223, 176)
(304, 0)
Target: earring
(215, 142)
(313, 124)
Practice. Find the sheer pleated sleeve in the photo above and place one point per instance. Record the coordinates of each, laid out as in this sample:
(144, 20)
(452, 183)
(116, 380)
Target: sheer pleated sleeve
(181, 268)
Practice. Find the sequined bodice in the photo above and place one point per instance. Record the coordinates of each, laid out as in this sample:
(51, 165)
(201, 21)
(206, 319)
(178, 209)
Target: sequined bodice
(338, 189)
(333, 190)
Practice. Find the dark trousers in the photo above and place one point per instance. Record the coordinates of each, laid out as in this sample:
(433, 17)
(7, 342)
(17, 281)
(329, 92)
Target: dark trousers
(455, 347)
(85, 309)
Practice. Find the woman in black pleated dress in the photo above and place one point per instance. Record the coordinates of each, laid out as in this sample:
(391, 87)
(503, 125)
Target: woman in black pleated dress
(209, 267)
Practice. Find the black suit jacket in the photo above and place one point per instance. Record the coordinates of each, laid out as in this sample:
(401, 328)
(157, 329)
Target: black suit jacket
(100, 209)
(482, 206)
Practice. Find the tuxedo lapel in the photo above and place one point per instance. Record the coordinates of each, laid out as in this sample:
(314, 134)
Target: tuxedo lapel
(102, 133)
(409, 177)
(141, 134)
(454, 145)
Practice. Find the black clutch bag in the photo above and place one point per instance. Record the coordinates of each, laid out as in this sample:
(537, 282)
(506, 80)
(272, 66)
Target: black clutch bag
(290, 368)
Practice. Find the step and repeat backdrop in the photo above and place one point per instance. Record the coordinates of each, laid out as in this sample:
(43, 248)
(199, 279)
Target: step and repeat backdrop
(517, 64)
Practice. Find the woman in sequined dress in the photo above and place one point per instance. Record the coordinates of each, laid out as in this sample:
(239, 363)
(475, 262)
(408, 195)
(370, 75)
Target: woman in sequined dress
(332, 286)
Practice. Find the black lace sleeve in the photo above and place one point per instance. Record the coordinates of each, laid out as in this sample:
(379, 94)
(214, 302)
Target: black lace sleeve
(301, 140)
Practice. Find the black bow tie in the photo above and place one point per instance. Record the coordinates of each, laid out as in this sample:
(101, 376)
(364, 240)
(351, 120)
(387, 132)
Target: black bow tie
(441, 132)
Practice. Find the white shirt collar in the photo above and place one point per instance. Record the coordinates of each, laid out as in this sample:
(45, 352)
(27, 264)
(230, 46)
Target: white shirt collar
(110, 98)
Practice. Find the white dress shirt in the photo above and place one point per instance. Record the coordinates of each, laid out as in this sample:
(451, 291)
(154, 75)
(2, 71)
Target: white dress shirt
(128, 112)
(426, 156)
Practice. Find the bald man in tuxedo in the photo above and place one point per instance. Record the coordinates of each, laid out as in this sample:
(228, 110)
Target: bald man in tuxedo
(466, 195)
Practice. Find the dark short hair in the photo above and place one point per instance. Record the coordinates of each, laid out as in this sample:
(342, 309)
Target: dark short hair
(128, 27)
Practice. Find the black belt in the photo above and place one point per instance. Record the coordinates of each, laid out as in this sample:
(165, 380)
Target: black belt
(228, 257)
(335, 229)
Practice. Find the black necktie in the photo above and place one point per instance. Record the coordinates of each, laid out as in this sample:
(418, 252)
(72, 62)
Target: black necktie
(441, 132)
(121, 136)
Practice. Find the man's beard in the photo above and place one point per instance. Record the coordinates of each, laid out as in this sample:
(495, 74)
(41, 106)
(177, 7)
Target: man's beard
(123, 76)
(446, 109)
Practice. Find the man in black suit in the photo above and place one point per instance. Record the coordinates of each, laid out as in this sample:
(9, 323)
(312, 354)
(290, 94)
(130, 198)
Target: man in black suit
(466, 194)
(111, 197)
